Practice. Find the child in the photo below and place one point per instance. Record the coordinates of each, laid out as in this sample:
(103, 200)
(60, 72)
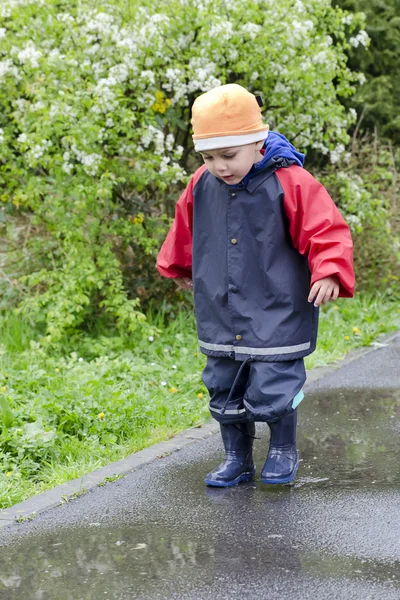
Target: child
(264, 245)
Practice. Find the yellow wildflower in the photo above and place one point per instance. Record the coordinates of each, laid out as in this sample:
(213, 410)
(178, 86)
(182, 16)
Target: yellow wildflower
(335, 307)
(3, 389)
(101, 415)
(200, 395)
(356, 330)
(8, 474)
(57, 370)
(162, 103)
(347, 337)
(173, 390)
(138, 220)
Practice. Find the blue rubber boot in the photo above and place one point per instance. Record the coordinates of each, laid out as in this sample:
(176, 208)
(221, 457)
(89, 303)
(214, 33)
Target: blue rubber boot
(238, 463)
(283, 458)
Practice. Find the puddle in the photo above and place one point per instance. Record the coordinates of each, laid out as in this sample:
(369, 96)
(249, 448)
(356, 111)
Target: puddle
(136, 562)
(85, 564)
(160, 533)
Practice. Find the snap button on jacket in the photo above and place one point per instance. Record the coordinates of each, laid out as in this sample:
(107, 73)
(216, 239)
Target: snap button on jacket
(253, 252)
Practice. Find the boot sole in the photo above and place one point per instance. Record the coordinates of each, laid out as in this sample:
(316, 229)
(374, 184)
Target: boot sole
(243, 477)
(288, 479)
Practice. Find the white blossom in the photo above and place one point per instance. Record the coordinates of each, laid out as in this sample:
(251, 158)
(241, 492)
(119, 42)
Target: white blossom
(7, 66)
(21, 103)
(320, 58)
(55, 55)
(361, 78)
(204, 78)
(6, 6)
(36, 106)
(65, 18)
(233, 54)
(336, 153)
(354, 221)
(93, 49)
(362, 38)
(321, 147)
(37, 151)
(105, 94)
(164, 164)
(1, 135)
(300, 30)
(119, 72)
(91, 162)
(348, 19)
(153, 135)
(252, 29)
(178, 152)
(149, 76)
(30, 54)
(100, 23)
(353, 114)
(169, 142)
(67, 167)
(223, 30)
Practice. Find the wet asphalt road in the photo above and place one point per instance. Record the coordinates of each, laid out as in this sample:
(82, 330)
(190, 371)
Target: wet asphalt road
(159, 533)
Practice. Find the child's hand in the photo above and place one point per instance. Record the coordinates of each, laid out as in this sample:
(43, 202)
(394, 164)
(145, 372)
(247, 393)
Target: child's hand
(324, 290)
(185, 283)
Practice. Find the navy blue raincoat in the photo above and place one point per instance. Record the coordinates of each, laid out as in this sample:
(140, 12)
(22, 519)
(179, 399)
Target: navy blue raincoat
(253, 251)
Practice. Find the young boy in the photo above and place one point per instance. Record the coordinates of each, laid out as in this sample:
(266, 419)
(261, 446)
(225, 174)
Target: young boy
(264, 245)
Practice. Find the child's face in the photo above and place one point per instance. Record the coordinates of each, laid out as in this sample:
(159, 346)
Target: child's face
(232, 164)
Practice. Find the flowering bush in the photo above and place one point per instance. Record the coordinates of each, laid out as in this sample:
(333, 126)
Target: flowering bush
(364, 183)
(95, 129)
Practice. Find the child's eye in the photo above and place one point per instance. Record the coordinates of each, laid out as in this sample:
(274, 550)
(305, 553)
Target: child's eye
(230, 156)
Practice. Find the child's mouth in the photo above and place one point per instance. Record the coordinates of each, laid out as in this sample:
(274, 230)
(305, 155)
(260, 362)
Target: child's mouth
(228, 177)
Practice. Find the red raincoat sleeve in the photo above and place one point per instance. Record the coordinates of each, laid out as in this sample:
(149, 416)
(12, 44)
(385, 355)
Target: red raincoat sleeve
(175, 257)
(317, 228)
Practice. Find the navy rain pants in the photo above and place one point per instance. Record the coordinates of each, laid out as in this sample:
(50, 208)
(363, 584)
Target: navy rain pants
(264, 391)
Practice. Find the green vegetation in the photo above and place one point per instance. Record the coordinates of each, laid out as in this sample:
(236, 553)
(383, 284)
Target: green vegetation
(65, 413)
(365, 186)
(378, 100)
(98, 354)
(95, 132)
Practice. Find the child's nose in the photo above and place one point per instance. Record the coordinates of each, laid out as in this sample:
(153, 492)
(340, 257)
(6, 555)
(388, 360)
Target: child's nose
(220, 167)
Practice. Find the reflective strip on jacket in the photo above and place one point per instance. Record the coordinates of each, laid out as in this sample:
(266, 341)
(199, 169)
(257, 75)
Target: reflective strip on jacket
(253, 252)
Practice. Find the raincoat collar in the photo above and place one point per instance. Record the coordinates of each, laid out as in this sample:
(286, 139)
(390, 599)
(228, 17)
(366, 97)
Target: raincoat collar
(278, 152)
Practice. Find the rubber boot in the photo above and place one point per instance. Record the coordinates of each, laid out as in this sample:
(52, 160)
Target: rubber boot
(238, 463)
(283, 458)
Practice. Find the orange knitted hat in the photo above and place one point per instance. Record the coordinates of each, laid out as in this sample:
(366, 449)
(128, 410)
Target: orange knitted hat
(227, 116)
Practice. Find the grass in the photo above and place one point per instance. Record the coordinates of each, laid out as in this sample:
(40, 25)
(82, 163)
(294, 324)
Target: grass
(67, 411)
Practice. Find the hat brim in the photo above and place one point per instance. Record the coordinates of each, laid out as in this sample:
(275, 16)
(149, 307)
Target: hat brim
(229, 141)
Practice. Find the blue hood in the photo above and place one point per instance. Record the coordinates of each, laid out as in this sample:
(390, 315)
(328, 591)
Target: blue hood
(275, 146)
